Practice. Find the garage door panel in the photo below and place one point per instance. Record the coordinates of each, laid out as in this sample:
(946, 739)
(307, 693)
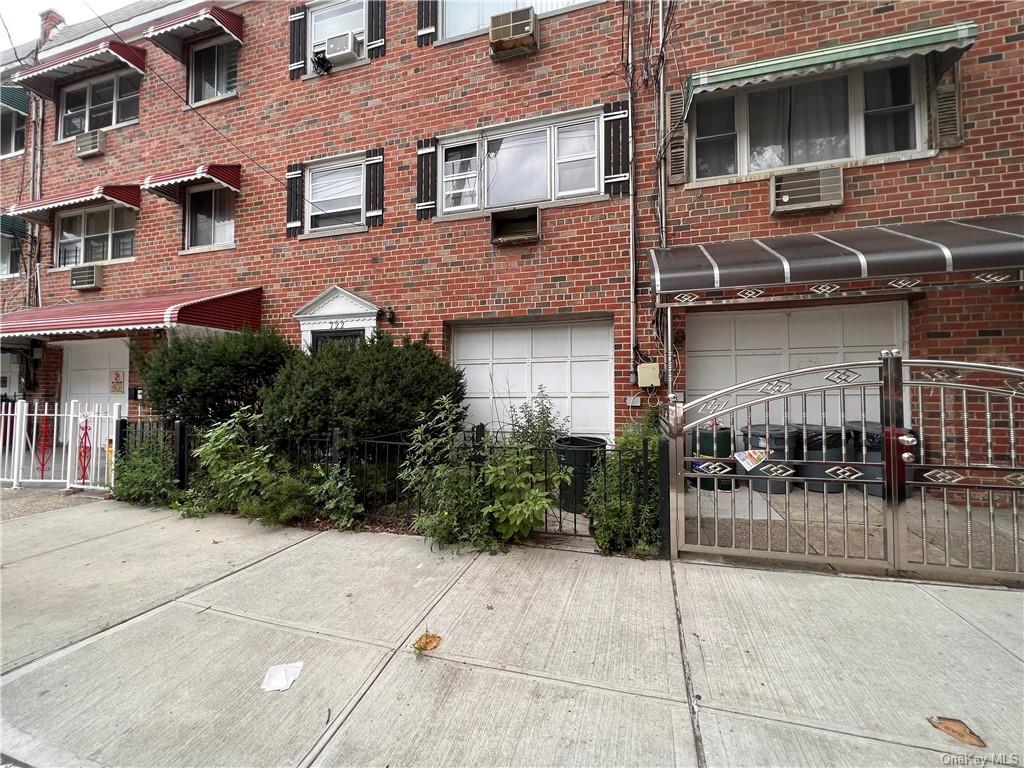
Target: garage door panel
(509, 378)
(478, 378)
(815, 329)
(550, 341)
(706, 372)
(553, 376)
(590, 375)
(765, 332)
(750, 366)
(503, 407)
(590, 415)
(473, 345)
(709, 332)
(511, 343)
(591, 340)
(877, 328)
(479, 410)
(812, 359)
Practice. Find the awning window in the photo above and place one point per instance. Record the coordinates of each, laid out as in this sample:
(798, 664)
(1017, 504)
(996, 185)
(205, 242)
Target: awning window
(169, 184)
(171, 34)
(41, 78)
(13, 97)
(980, 244)
(953, 40)
(127, 195)
(229, 310)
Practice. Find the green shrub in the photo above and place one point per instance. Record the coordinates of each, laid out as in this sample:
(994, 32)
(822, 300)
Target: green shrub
(371, 388)
(285, 499)
(518, 485)
(145, 475)
(535, 422)
(625, 518)
(331, 490)
(204, 379)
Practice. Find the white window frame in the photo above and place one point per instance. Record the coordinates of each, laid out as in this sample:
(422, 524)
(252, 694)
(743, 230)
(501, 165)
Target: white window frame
(463, 175)
(5, 257)
(14, 131)
(480, 138)
(189, 245)
(83, 212)
(444, 36)
(334, 165)
(312, 9)
(855, 117)
(212, 43)
(89, 85)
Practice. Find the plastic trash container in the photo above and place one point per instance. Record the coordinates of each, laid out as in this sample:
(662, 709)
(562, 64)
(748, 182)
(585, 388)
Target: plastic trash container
(711, 445)
(777, 439)
(867, 434)
(578, 454)
(823, 444)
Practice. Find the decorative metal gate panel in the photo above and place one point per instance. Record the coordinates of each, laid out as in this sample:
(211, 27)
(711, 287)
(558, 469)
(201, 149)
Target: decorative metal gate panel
(909, 466)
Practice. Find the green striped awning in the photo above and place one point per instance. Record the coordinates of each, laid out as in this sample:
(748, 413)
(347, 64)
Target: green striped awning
(12, 226)
(13, 97)
(955, 38)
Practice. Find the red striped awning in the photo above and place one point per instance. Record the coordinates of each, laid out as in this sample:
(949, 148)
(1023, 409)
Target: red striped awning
(40, 78)
(170, 34)
(127, 195)
(229, 310)
(168, 184)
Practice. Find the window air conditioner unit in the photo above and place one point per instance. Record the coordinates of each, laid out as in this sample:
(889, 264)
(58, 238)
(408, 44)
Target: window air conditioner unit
(88, 277)
(343, 48)
(806, 190)
(90, 144)
(514, 34)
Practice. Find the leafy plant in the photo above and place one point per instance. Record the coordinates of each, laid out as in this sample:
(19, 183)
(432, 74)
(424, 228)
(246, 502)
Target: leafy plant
(371, 388)
(519, 496)
(286, 499)
(536, 423)
(440, 470)
(623, 496)
(204, 379)
(332, 491)
(145, 474)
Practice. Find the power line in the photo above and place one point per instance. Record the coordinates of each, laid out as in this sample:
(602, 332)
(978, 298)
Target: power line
(14, 48)
(199, 114)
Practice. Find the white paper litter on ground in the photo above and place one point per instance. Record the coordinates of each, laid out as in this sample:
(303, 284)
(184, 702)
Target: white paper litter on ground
(281, 676)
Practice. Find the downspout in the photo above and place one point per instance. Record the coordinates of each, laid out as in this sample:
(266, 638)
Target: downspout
(632, 200)
(662, 185)
(36, 188)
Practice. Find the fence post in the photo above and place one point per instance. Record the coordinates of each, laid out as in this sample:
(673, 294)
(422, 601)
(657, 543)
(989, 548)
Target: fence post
(181, 454)
(336, 445)
(72, 440)
(121, 436)
(668, 544)
(19, 438)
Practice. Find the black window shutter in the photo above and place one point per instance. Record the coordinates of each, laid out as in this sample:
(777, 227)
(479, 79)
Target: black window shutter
(376, 26)
(426, 178)
(616, 148)
(374, 198)
(426, 22)
(296, 215)
(297, 42)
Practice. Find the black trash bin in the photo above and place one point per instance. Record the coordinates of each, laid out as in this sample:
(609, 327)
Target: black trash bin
(711, 445)
(579, 455)
(867, 434)
(823, 444)
(776, 439)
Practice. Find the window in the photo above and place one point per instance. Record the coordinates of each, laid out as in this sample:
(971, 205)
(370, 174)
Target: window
(335, 196)
(10, 255)
(210, 216)
(214, 70)
(100, 103)
(95, 234)
(12, 131)
(525, 166)
(323, 338)
(863, 113)
(463, 17)
(329, 21)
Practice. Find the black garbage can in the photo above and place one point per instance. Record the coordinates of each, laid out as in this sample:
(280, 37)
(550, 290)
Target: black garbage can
(776, 439)
(823, 444)
(578, 454)
(867, 434)
(711, 445)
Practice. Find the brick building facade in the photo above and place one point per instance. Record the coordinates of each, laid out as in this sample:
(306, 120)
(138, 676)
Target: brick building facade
(334, 193)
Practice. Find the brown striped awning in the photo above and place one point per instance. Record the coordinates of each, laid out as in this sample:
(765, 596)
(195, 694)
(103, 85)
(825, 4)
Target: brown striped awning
(923, 248)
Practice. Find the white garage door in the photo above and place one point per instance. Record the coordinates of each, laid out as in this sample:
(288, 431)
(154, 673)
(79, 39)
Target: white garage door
(726, 348)
(96, 372)
(506, 364)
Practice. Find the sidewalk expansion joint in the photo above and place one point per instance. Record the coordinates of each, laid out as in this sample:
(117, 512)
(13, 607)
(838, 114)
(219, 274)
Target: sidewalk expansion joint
(698, 741)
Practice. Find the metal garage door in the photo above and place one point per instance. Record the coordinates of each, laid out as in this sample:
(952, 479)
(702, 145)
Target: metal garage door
(506, 364)
(725, 348)
(96, 373)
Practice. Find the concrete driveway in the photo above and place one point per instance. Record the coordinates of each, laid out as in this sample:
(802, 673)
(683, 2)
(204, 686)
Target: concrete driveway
(132, 637)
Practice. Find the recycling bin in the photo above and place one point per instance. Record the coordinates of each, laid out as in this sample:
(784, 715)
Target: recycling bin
(822, 444)
(777, 440)
(710, 445)
(578, 455)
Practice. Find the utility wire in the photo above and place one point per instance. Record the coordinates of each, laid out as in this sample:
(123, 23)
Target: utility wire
(199, 114)
(14, 48)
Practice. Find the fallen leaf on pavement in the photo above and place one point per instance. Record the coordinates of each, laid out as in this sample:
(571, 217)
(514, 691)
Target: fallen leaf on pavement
(427, 642)
(958, 729)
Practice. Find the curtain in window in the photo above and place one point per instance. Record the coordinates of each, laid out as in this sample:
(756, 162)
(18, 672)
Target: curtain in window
(820, 123)
(769, 129)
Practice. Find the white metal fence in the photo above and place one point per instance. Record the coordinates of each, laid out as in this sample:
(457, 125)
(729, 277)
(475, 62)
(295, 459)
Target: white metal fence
(70, 444)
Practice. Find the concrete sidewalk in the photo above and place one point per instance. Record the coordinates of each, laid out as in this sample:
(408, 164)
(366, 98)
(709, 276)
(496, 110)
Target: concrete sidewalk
(547, 657)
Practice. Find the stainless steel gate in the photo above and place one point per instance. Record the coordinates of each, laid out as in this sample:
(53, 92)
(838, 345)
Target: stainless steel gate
(909, 466)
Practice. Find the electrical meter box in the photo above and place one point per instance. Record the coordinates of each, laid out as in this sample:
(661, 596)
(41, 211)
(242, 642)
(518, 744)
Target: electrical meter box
(648, 375)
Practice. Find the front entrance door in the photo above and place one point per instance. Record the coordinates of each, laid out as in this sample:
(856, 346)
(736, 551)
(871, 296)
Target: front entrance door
(96, 374)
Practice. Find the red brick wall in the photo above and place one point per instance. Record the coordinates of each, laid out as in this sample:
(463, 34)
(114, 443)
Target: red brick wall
(15, 176)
